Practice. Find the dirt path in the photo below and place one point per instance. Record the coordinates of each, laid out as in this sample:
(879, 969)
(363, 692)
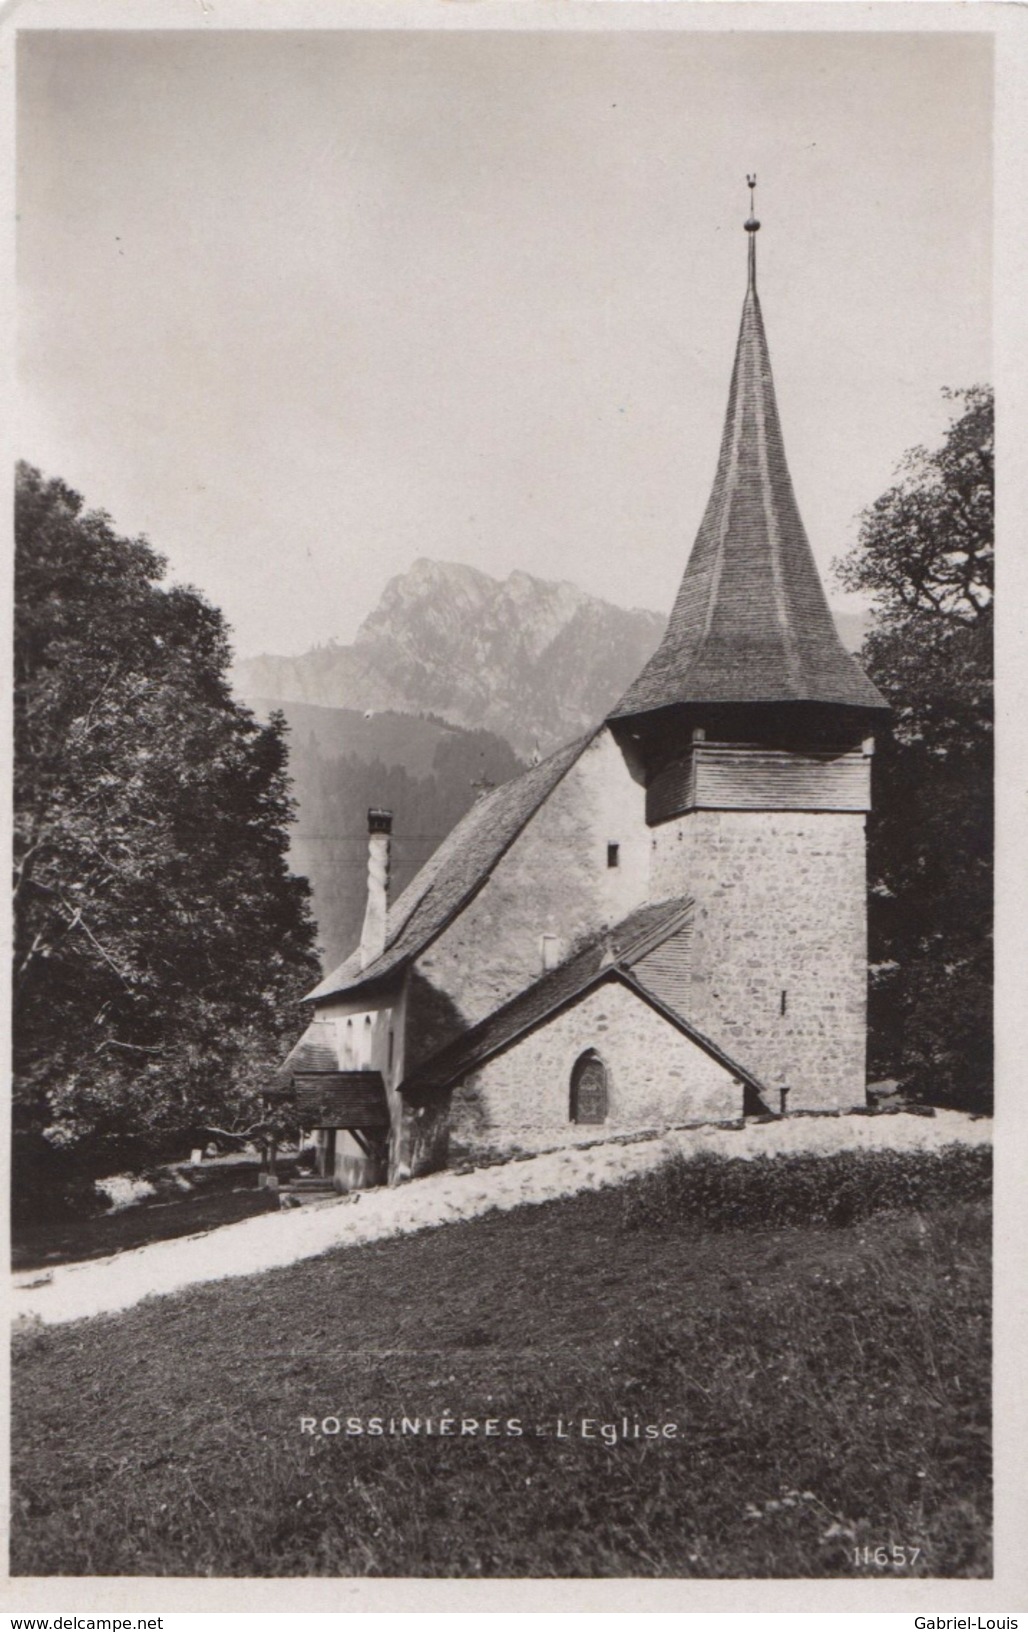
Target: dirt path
(106, 1285)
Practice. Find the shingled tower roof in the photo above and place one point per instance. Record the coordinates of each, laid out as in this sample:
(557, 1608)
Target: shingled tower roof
(751, 623)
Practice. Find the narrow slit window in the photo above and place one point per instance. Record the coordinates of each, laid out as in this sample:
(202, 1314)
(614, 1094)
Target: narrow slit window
(613, 855)
(549, 952)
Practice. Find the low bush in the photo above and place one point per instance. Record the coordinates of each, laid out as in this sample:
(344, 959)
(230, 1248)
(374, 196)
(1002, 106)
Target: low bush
(724, 1193)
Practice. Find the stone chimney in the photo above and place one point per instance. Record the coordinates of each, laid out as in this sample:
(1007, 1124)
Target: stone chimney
(373, 935)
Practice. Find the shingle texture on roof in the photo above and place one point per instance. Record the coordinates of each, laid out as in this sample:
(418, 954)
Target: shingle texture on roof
(315, 1051)
(751, 623)
(455, 871)
(611, 954)
(342, 1099)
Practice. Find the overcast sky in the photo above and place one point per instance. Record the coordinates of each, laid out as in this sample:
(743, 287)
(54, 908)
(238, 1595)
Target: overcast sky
(304, 307)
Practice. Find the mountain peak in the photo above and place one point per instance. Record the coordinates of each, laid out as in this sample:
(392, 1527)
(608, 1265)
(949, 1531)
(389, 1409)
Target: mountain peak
(426, 571)
(532, 660)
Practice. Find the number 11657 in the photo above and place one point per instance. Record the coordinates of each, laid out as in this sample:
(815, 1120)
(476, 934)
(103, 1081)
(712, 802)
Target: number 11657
(901, 1558)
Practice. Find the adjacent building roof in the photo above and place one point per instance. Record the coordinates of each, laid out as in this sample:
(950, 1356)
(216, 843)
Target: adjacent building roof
(612, 955)
(336, 1099)
(316, 1051)
(325, 1096)
(751, 623)
(456, 871)
(342, 1099)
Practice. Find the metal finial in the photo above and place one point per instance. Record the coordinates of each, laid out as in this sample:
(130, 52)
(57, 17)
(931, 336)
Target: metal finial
(752, 225)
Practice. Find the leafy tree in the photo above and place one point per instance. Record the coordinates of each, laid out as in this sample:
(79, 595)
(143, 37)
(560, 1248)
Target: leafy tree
(925, 552)
(160, 940)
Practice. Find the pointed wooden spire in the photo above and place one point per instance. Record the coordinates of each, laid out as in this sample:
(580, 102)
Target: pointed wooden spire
(751, 624)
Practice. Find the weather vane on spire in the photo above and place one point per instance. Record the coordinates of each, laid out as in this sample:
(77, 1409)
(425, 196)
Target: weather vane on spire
(752, 225)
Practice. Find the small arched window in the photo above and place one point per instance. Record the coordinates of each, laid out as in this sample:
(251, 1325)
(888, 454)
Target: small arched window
(589, 1089)
(366, 1050)
(348, 1061)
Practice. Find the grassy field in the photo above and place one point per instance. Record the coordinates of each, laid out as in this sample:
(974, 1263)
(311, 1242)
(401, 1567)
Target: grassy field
(830, 1387)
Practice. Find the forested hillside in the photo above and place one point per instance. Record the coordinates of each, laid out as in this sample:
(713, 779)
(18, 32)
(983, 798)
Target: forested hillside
(507, 669)
(426, 772)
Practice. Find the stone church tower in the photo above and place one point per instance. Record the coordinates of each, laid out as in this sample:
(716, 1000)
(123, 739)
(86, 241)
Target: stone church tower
(751, 728)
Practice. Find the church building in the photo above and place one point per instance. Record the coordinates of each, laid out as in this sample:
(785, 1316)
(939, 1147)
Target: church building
(663, 923)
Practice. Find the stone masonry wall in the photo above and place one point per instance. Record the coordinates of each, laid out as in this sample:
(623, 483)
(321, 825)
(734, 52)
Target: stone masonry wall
(780, 907)
(656, 1077)
(555, 880)
(423, 1139)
